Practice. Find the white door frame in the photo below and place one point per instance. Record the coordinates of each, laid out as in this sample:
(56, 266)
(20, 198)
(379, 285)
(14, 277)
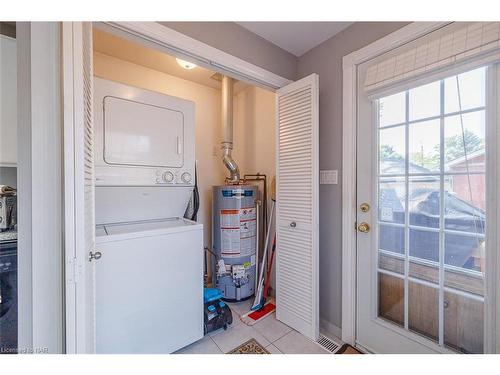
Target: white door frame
(169, 41)
(40, 234)
(349, 141)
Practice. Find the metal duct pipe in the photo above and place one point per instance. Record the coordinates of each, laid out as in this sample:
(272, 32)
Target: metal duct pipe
(227, 124)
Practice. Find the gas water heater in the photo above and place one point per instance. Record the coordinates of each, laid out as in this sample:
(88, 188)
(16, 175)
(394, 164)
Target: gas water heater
(235, 240)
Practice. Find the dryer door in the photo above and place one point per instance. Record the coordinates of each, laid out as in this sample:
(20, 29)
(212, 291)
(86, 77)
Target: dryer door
(140, 134)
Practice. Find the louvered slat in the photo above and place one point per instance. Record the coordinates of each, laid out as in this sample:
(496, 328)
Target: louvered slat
(297, 202)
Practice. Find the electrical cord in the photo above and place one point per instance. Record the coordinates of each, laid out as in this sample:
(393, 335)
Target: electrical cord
(196, 196)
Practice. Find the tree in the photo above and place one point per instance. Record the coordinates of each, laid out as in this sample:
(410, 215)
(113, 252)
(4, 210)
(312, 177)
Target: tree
(387, 152)
(454, 145)
(429, 161)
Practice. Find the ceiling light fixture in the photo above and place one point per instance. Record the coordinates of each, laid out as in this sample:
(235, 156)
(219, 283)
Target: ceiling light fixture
(186, 64)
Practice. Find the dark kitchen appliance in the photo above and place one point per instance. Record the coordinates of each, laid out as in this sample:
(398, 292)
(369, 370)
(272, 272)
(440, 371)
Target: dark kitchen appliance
(8, 297)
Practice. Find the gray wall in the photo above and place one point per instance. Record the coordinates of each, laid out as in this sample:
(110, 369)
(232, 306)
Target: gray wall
(238, 41)
(326, 60)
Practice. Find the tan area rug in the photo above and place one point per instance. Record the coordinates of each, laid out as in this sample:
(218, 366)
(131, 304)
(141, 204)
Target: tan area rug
(347, 349)
(249, 347)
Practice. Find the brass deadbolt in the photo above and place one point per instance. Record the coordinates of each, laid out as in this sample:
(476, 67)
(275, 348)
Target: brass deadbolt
(364, 207)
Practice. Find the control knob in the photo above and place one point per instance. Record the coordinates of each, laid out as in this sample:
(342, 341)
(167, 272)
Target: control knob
(168, 176)
(186, 177)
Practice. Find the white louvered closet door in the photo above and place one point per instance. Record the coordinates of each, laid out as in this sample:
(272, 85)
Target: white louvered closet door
(297, 229)
(79, 186)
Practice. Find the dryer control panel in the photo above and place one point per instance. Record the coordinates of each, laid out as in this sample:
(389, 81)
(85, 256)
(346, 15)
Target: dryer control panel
(173, 177)
(164, 177)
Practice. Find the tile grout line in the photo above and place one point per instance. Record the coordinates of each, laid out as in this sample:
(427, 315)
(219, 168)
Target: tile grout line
(272, 342)
(211, 338)
(278, 349)
(279, 338)
(286, 334)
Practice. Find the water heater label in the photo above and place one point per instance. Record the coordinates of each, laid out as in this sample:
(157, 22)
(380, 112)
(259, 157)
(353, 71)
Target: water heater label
(237, 193)
(238, 232)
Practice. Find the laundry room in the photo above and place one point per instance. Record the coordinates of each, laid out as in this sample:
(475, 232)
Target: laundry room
(215, 168)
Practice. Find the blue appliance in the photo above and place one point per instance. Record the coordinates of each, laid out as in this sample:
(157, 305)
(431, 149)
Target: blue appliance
(217, 313)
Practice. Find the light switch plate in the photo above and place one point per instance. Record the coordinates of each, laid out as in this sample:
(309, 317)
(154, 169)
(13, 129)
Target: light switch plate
(328, 177)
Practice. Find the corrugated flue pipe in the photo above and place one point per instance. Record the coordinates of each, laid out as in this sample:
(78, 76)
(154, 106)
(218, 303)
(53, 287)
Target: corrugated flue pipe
(227, 124)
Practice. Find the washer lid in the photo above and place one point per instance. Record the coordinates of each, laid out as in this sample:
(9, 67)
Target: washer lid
(107, 232)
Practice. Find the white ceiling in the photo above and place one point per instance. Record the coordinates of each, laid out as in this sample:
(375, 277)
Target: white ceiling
(295, 37)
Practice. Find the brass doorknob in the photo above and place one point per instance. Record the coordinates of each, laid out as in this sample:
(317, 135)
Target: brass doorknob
(364, 227)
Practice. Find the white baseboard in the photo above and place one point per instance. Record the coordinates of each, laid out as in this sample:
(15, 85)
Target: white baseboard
(330, 329)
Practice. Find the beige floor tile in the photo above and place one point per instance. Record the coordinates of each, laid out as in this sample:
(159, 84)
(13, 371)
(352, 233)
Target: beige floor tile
(271, 328)
(295, 343)
(272, 349)
(204, 346)
(237, 335)
(241, 308)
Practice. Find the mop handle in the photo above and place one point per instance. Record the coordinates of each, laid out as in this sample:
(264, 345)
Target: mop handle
(266, 242)
(270, 269)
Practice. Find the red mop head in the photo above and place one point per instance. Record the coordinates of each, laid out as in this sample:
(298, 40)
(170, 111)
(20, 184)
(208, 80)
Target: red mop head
(262, 313)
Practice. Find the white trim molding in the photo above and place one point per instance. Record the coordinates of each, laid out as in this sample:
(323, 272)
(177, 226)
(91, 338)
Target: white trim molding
(349, 98)
(183, 46)
(40, 244)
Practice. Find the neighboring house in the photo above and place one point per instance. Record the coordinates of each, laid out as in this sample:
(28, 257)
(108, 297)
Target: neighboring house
(460, 183)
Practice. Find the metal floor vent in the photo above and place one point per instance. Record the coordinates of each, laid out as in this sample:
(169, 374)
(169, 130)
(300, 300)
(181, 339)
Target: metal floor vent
(328, 344)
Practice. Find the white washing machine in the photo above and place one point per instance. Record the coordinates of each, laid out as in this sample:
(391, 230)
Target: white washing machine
(149, 278)
(149, 286)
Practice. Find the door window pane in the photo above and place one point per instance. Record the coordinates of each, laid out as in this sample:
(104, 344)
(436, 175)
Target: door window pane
(423, 201)
(463, 323)
(465, 203)
(424, 146)
(391, 262)
(392, 193)
(392, 238)
(472, 91)
(461, 280)
(464, 251)
(392, 150)
(424, 101)
(423, 312)
(464, 146)
(426, 271)
(391, 298)
(424, 245)
(392, 109)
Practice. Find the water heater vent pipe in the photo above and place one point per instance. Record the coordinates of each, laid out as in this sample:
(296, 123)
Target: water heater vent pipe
(227, 124)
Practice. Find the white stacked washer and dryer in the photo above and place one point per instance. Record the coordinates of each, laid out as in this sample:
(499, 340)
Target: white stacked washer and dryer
(149, 277)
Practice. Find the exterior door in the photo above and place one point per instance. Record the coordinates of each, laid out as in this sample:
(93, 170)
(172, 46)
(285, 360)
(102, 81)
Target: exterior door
(423, 173)
(297, 237)
(79, 187)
